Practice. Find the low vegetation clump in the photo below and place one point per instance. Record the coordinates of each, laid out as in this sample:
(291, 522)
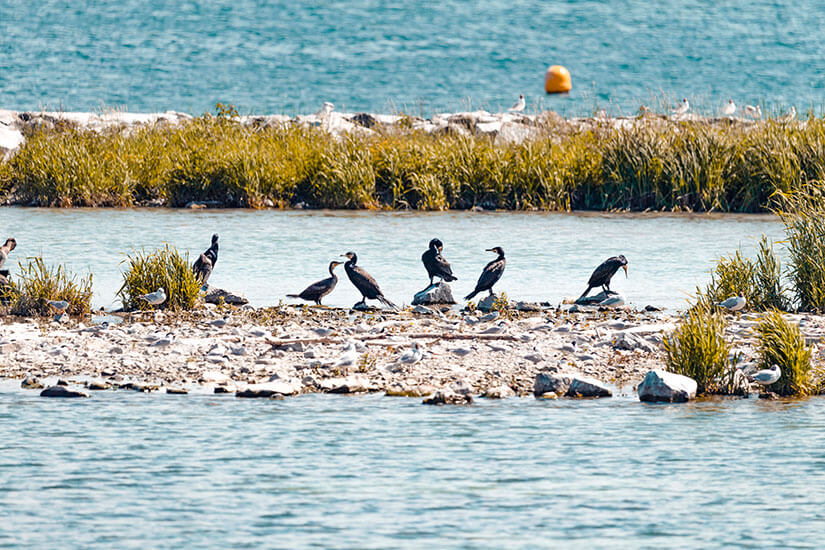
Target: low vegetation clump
(697, 349)
(803, 213)
(29, 293)
(759, 280)
(781, 343)
(652, 164)
(164, 268)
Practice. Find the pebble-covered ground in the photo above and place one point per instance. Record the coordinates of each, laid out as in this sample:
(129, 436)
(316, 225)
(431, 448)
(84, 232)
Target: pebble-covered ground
(289, 350)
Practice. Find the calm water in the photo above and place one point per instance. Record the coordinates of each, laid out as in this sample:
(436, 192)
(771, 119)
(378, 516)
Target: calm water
(126, 470)
(268, 254)
(286, 56)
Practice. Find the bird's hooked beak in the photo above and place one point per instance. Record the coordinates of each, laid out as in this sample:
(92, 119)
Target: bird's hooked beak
(625, 271)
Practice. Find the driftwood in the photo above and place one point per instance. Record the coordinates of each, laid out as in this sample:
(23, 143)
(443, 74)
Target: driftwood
(434, 336)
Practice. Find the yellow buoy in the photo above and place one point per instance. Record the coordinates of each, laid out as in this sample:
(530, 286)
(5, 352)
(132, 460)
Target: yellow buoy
(557, 80)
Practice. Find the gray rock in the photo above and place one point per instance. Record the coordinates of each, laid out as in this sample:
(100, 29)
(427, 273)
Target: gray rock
(176, 391)
(31, 383)
(448, 397)
(499, 392)
(217, 295)
(582, 386)
(527, 306)
(595, 299)
(659, 385)
(630, 341)
(439, 293)
(62, 391)
(347, 384)
(486, 303)
(551, 382)
(98, 385)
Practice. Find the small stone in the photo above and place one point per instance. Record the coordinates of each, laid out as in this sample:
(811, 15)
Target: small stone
(62, 391)
(499, 392)
(587, 387)
(439, 293)
(447, 397)
(31, 383)
(224, 389)
(527, 306)
(176, 391)
(486, 303)
(98, 385)
(61, 382)
(219, 295)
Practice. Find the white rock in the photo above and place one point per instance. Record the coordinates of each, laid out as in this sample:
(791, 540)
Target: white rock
(659, 385)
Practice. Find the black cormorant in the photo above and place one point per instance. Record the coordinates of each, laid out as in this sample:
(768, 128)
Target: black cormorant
(7, 247)
(364, 282)
(435, 263)
(316, 291)
(491, 274)
(602, 275)
(203, 266)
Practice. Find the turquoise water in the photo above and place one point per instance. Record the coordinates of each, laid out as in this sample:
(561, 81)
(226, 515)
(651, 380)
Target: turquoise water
(127, 470)
(417, 56)
(269, 253)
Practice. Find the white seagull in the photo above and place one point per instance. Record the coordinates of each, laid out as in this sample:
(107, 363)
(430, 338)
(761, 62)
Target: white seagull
(155, 298)
(325, 109)
(348, 358)
(682, 108)
(766, 377)
(734, 303)
(753, 112)
(519, 105)
(59, 306)
(791, 116)
(729, 108)
(413, 355)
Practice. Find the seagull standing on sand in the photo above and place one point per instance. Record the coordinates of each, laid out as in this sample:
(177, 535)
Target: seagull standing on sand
(155, 298)
(348, 358)
(729, 108)
(683, 107)
(766, 377)
(519, 105)
(413, 355)
(734, 303)
(753, 112)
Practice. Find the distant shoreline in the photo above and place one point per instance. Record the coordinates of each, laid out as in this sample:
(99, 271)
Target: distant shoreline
(453, 161)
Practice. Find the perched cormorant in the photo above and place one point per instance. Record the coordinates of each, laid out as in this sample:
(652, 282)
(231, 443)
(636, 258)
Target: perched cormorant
(317, 290)
(602, 275)
(364, 282)
(491, 274)
(203, 266)
(435, 263)
(7, 247)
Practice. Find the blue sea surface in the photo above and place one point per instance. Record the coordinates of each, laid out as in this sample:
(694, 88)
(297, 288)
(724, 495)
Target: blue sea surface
(130, 470)
(419, 57)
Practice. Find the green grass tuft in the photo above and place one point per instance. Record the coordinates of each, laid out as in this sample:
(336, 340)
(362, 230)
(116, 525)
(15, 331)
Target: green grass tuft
(163, 268)
(697, 349)
(28, 294)
(781, 343)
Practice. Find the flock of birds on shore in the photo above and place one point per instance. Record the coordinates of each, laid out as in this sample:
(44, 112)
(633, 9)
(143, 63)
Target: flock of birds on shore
(436, 266)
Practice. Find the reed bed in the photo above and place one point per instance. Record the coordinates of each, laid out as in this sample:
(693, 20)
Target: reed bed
(652, 165)
(29, 293)
(164, 268)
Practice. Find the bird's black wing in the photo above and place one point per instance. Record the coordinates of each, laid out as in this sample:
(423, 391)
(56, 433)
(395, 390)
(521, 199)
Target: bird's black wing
(318, 289)
(491, 274)
(202, 268)
(364, 282)
(443, 268)
(602, 274)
